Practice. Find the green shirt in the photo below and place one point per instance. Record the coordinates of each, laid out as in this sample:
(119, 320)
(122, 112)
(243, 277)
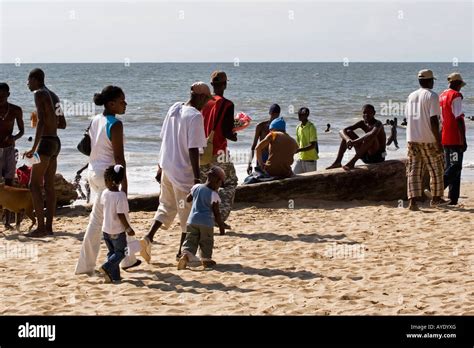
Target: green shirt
(305, 135)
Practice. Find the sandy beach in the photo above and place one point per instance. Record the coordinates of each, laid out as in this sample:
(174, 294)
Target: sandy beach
(317, 258)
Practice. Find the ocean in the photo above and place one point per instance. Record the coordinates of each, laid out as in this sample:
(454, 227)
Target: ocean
(333, 92)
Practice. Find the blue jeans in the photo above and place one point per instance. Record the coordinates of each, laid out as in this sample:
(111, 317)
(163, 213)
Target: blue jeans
(452, 175)
(116, 243)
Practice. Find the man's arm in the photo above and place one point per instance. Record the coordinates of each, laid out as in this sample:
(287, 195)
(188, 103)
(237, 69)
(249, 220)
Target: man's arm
(20, 124)
(194, 158)
(59, 112)
(370, 134)
(459, 115)
(355, 126)
(40, 98)
(228, 124)
(434, 120)
(312, 145)
(252, 149)
(260, 147)
(119, 155)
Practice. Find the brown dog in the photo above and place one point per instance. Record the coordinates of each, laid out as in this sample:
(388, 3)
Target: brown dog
(17, 200)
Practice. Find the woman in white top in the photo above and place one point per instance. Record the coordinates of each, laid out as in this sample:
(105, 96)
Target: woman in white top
(107, 138)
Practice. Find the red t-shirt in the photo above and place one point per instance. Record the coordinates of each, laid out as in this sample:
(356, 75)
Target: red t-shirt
(451, 134)
(220, 108)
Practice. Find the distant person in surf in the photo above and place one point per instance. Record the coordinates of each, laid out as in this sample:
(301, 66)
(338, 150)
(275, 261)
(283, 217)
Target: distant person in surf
(370, 148)
(328, 128)
(393, 134)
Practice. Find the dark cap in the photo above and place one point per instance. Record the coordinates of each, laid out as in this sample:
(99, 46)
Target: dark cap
(274, 109)
(218, 77)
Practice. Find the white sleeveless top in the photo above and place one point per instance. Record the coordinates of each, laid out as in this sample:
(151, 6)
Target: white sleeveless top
(102, 153)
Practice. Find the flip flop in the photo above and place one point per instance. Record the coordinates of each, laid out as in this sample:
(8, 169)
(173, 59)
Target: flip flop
(136, 264)
(145, 249)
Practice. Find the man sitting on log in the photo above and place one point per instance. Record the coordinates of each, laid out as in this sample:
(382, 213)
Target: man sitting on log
(370, 147)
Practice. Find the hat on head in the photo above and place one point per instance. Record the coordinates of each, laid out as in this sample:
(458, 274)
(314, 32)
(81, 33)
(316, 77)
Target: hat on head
(274, 109)
(278, 124)
(456, 77)
(425, 74)
(218, 76)
(200, 88)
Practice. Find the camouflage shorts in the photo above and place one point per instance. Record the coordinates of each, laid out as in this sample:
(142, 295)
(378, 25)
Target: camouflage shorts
(227, 191)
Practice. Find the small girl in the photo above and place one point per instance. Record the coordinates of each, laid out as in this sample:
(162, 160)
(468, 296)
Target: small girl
(200, 226)
(116, 223)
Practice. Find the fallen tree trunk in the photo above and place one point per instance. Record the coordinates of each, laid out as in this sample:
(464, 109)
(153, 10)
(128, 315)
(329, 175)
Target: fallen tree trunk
(383, 181)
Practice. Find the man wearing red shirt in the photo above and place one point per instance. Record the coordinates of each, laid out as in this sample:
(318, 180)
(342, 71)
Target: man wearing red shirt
(218, 115)
(453, 135)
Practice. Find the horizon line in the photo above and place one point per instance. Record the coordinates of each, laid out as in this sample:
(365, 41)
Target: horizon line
(240, 62)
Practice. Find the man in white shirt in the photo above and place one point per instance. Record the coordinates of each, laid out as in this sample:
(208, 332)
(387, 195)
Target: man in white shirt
(424, 142)
(182, 136)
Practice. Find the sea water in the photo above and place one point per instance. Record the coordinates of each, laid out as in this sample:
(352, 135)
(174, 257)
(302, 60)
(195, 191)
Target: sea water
(333, 92)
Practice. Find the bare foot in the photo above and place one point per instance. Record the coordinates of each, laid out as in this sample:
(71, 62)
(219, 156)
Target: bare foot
(335, 165)
(37, 234)
(348, 167)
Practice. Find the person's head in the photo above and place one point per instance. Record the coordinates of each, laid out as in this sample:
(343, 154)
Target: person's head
(392, 122)
(113, 176)
(278, 124)
(274, 111)
(328, 125)
(219, 82)
(216, 177)
(303, 114)
(368, 112)
(200, 94)
(35, 79)
(426, 78)
(455, 81)
(113, 100)
(4, 93)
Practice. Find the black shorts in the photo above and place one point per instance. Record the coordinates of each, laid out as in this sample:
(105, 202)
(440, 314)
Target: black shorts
(374, 158)
(49, 146)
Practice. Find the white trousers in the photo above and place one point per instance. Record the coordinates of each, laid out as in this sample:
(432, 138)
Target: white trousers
(91, 243)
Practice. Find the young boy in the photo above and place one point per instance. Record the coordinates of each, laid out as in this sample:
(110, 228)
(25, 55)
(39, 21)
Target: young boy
(307, 139)
(200, 226)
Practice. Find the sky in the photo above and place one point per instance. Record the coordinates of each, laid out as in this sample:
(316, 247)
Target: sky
(66, 31)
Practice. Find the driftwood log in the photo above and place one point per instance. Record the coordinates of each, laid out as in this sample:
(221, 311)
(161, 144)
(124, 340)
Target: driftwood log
(377, 182)
(66, 194)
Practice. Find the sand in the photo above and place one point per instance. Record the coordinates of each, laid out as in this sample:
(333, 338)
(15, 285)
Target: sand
(322, 258)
